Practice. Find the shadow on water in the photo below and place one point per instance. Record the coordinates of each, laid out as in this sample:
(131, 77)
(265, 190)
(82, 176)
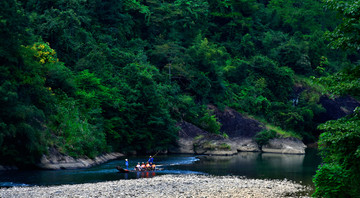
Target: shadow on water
(299, 168)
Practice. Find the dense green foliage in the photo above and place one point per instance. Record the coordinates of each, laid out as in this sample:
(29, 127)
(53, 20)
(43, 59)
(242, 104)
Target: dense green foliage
(91, 76)
(339, 144)
(338, 176)
(263, 137)
(347, 34)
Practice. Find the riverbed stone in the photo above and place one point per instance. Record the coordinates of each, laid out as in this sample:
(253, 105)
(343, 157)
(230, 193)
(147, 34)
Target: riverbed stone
(168, 186)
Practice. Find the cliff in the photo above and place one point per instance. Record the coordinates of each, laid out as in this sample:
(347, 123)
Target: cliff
(240, 130)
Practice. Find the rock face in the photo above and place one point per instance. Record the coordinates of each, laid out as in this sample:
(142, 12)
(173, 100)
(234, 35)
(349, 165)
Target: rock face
(284, 146)
(236, 125)
(240, 129)
(187, 134)
(185, 146)
(57, 160)
(193, 140)
(336, 108)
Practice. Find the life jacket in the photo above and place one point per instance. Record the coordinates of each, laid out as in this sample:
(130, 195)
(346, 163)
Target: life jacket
(153, 166)
(148, 166)
(142, 166)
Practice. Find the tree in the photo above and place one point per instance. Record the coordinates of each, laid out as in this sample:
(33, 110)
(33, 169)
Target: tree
(347, 34)
(340, 151)
(339, 144)
(24, 100)
(208, 61)
(148, 122)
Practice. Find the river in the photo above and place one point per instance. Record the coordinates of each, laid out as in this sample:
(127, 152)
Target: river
(299, 168)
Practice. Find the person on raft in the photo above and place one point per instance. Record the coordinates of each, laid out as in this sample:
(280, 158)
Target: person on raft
(143, 167)
(151, 159)
(148, 167)
(152, 166)
(138, 167)
(127, 163)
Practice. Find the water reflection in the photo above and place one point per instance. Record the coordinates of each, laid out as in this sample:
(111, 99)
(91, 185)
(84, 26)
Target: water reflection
(300, 168)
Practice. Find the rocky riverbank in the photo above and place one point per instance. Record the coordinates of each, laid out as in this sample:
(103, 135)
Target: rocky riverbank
(240, 131)
(193, 140)
(168, 186)
(55, 160)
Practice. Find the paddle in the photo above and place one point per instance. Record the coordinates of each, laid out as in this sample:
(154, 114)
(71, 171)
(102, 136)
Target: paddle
(156, 154)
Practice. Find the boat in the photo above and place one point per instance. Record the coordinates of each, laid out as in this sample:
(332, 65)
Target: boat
(123, 170)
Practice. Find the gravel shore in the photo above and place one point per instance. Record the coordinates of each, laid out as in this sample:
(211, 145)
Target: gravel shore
(167, 186)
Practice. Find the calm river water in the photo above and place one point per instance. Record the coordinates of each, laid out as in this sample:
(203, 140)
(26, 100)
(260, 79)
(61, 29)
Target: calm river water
(300, 168)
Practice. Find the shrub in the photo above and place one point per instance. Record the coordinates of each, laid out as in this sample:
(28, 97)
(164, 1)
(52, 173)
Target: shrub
(209, 123)
(263, 137)
(340, 152)
(226, 136)
(224, 146)
(331, 181)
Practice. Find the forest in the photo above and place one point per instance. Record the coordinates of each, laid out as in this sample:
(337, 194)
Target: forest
(93, 76)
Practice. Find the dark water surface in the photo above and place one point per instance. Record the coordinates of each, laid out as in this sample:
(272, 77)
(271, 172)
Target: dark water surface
(299, 168)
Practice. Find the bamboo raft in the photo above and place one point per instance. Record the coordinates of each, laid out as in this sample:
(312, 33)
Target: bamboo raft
(122, 170)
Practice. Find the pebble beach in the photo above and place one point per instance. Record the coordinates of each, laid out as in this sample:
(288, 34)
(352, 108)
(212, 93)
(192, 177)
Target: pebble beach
(168, 186)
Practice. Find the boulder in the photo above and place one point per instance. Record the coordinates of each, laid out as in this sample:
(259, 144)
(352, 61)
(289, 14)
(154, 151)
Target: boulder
(193, 140)
(244, 145)
(285, 146)
(208, 146)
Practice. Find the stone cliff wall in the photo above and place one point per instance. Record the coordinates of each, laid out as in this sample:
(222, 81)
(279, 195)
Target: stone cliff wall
(336, 108)
(239, 128)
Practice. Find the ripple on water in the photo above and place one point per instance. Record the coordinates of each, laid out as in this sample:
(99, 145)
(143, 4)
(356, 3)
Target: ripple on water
(12, 184)
(182, 172)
